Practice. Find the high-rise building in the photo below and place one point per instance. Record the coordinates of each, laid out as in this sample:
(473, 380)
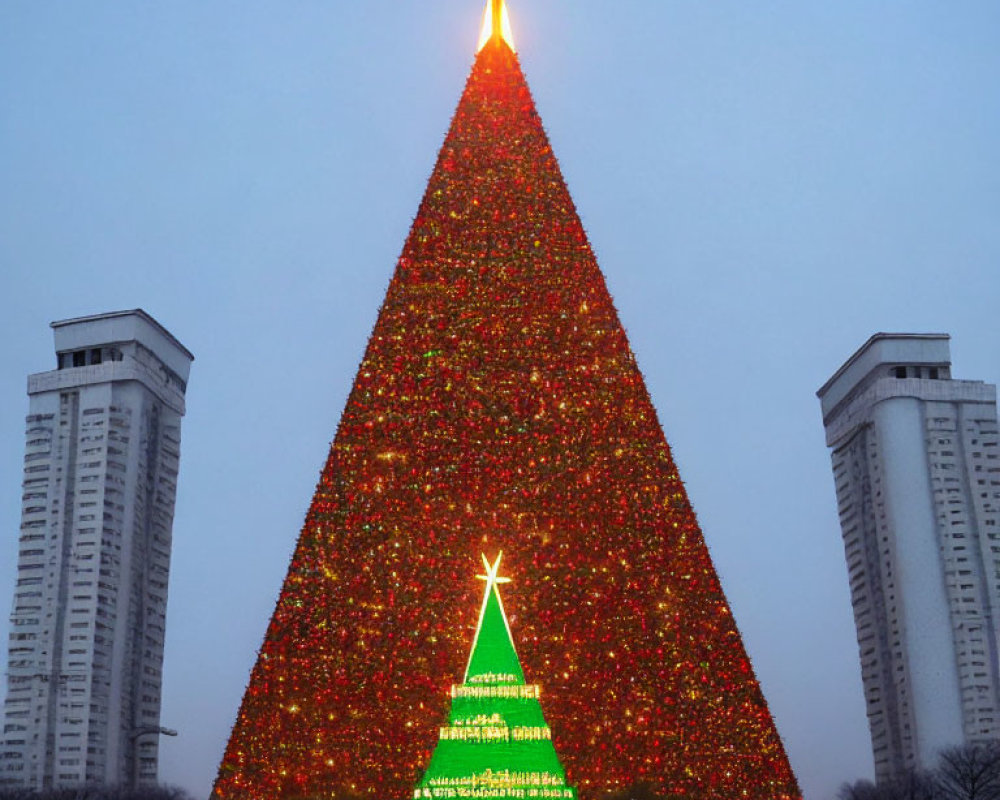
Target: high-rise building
(917, 473)
(87, 627)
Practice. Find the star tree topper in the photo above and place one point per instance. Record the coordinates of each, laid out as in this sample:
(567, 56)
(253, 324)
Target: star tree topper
(496, 22)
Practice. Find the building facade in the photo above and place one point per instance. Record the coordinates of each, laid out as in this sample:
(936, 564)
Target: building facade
(88, 620)
(917, 473)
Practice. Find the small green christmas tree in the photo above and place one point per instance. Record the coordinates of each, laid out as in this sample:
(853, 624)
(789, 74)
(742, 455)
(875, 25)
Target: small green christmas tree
(496, 742)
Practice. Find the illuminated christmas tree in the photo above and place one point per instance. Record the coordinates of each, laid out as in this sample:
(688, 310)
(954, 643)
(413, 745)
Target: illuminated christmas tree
(496, 739)
(498, 406)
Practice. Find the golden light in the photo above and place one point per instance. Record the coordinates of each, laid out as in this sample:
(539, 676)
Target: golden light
(496, 18)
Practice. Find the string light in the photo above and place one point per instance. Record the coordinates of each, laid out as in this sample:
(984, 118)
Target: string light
(525, 692)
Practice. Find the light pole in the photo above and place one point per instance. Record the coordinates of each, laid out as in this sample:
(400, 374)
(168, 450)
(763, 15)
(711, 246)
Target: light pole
(136, 761)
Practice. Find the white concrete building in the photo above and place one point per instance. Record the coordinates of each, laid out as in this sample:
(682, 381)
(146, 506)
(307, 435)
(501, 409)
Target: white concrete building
(917, 473)
(88, 619)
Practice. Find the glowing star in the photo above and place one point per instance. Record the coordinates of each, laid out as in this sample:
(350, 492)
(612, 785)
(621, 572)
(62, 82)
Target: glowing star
(492, 577)
(496, 22)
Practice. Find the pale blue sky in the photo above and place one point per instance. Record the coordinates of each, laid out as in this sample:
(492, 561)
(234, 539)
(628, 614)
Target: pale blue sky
(766, 184)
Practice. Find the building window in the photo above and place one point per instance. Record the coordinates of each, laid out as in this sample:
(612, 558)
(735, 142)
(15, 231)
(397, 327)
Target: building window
(899, 372)
(80, 358)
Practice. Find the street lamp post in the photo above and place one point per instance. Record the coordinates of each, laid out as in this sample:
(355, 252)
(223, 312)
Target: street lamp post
(136, 761)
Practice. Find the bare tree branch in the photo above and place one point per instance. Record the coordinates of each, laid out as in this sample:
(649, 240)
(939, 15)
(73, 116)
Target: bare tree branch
(971, 772)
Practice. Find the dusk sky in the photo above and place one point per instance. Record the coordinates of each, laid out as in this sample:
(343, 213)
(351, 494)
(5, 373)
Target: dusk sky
(765, 184)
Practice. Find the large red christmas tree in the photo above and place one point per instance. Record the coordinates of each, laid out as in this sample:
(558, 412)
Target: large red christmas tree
(498, 406)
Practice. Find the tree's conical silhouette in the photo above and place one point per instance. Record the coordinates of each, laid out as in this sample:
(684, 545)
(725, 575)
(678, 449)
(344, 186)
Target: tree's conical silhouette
(498, 404)
(496, 740)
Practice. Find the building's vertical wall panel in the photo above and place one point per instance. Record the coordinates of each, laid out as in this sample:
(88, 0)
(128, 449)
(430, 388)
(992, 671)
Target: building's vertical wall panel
(927, 677)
